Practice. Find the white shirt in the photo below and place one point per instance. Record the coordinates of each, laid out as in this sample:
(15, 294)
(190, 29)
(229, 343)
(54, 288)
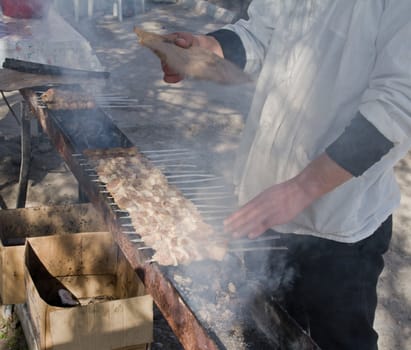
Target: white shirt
(319, 63)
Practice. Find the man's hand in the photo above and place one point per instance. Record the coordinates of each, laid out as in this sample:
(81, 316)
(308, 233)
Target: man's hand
(281, 203)
(184, 40)
(275, 206)
(187, 40)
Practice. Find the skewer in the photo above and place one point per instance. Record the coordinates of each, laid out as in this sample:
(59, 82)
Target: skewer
(217, 211)
(207, 193)
(258, 239)
(214, 218)
(115, 99)
(165, 150)
(124, 106)
(168, 166)
(136, 240)
(130, 232)
(144, 248)
(214, 206)
(150, 261)
(165, 160)
(127, 225)
(205, 176)
(230, 240)
(105, 101)
(202, 197)
(111, 94)
(214, 187)
(99, 96)
(210, 198)
(194, 181)
(255, 249)
(112, 104)
(110, 101)
(178, 172)
(176, 153)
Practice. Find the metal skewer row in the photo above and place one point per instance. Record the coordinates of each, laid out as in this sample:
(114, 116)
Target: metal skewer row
(184, 172)
(136, 240)
(212, 214)
(255, 249)
(165, 161)
(164, 151)
(159, 154)
(104, 101)
(192, 177)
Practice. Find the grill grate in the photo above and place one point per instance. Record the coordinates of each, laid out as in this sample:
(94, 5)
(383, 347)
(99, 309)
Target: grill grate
(181, 303)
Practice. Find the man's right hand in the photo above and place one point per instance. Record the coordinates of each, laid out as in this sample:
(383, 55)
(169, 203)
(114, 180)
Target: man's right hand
(187, 40)
(184, 40)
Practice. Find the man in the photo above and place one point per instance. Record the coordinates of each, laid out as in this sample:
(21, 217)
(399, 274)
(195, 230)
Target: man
(330, 118)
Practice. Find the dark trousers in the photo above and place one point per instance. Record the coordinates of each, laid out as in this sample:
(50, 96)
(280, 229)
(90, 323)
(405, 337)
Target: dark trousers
(334, 294)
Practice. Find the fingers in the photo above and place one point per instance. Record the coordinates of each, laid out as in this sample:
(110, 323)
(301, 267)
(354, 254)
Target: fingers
(271, 207)
(248, 221)
(185, 40)
(181, 39)
(172, 78)
(249, 229)
(276, 205)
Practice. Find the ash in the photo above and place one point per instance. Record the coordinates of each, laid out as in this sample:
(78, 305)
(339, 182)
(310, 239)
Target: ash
(229, 297)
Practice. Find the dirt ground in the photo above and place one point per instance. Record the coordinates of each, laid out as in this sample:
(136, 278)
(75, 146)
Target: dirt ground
(201, 116)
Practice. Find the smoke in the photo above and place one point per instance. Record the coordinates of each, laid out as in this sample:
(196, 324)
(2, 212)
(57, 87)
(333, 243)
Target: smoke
(238, 299)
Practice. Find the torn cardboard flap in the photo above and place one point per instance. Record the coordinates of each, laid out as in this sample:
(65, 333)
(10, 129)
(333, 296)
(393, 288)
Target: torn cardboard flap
(115, 312)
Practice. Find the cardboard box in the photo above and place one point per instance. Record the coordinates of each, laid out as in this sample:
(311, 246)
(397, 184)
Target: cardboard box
(114, 313)
(18, 224)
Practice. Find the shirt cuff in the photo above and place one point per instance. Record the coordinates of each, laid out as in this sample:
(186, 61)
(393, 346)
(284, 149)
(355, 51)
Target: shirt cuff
(359, 147)
(233, 48)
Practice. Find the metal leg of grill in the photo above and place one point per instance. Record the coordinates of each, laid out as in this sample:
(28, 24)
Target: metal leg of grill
(25, 156)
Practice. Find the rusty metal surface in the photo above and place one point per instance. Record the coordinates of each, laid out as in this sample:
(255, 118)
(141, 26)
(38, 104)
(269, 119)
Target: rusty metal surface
(192, 317)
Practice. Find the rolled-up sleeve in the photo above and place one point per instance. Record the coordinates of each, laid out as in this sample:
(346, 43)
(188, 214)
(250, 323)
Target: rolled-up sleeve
(233, 49)
(255, 33)
(386, 103)
(359, 147)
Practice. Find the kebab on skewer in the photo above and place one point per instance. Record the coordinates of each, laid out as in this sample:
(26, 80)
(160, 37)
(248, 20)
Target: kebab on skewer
(167, 222)
(67, 99)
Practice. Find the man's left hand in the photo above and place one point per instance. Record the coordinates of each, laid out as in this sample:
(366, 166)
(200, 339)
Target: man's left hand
(275, 206)
(281, 203)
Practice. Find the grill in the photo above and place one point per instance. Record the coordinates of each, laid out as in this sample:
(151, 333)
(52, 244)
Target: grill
(208, 304)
